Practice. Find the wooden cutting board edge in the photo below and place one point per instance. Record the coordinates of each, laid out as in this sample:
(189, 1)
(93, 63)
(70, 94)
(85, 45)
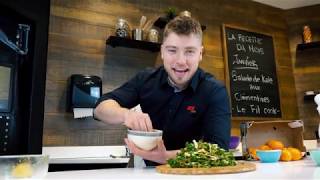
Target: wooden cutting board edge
(240, 167)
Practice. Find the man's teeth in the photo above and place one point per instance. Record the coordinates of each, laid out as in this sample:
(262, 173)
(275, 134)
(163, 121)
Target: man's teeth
(181, 70)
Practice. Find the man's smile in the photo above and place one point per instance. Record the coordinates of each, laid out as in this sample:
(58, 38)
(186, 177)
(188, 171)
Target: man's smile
(180, 72)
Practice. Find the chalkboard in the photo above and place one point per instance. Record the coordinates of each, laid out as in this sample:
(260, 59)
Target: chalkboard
(251, 74)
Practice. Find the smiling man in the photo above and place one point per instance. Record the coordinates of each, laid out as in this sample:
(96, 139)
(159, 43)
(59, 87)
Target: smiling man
(178, 97)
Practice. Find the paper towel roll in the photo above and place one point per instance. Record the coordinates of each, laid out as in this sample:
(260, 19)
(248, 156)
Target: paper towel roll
(317, 101)
(82, 112)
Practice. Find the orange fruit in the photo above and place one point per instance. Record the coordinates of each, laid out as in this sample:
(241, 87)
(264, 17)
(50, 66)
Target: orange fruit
(285, 155)
(253, 153)
(264, 147)
(275, 144)
(295, 153)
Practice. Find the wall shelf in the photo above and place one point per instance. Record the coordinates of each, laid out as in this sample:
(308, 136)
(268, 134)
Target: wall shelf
(115, 41)
(304, 46)
(162, 21)
(309, 95)
(307, 55)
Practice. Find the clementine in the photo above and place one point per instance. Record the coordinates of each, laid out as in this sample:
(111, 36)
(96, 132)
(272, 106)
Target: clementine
(253, 153)
(295, 153)
(275, 144)
(285, 155)
(264, 147)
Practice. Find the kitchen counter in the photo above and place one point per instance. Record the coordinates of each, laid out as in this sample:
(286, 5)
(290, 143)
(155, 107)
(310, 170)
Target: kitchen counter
(63, 158)
(86, 154)
(303, 169)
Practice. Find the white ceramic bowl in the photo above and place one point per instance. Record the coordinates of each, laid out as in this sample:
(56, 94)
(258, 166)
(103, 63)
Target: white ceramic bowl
(145, 140)
(24, 166)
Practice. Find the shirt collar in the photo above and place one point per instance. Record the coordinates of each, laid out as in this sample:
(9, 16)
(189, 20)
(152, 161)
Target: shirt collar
(194, 83)
(164, 77)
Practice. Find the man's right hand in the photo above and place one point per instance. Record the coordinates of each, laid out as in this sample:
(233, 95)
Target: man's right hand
(137, 121)
(110, 111)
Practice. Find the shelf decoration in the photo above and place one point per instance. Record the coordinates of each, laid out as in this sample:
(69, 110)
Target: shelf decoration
(307, 35)
(170, 14)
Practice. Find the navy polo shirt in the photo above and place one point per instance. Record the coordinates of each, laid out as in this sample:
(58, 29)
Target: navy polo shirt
(201, 111)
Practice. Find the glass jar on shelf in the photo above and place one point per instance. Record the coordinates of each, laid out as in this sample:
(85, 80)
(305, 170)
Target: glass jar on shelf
(153, 36)
(122, 28)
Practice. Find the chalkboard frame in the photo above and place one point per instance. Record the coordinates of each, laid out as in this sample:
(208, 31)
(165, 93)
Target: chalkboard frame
(227, 77)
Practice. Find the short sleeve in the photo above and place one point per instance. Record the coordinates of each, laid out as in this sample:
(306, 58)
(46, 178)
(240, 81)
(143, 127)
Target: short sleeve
(127, 95)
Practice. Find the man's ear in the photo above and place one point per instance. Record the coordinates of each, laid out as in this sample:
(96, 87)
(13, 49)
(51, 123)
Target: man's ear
(201, 53)
(161, 52)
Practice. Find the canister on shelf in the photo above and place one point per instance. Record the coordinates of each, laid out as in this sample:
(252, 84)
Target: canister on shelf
(137, 34)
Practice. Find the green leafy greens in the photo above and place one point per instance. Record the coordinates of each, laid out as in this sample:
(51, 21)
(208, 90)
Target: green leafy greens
(202, 155)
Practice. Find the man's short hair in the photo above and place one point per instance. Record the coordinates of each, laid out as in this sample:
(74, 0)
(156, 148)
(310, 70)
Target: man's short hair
(183, 25)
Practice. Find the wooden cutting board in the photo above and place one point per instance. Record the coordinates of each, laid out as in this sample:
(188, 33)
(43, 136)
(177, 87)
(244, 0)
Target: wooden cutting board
(241, 166)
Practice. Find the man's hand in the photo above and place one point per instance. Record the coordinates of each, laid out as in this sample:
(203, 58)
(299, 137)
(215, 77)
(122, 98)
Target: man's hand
(137, 121)
(158, 154)
(111, 112)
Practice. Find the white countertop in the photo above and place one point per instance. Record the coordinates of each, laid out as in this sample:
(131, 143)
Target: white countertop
(303, 169)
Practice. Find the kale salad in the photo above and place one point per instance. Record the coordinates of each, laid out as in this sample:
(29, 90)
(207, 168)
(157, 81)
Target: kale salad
(202, 155)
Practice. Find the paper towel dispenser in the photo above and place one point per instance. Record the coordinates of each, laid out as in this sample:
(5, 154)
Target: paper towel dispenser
(83, 92)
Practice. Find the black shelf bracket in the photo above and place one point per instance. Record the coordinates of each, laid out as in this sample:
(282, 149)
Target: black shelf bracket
(115, 41)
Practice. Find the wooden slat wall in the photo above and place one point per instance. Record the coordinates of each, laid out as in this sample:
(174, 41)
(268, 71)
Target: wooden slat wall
(306, 63)
(78, 30)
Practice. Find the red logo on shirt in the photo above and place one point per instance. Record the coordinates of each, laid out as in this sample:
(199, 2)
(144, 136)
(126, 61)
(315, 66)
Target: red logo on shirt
(191, 109)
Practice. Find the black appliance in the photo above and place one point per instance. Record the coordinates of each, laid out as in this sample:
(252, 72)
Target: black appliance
(23, 49)
(11, 58)
(12, 55)
(84, 91)
(8, 105)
